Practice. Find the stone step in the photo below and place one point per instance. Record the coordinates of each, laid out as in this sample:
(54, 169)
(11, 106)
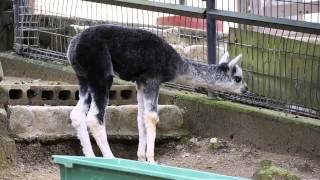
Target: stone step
(50, 123)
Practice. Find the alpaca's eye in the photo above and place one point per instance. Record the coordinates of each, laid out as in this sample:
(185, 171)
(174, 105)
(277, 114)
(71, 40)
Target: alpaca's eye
(237, 79)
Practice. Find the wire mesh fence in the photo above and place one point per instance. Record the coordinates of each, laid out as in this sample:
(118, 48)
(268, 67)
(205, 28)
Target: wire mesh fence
(45, 27)
(282, 67)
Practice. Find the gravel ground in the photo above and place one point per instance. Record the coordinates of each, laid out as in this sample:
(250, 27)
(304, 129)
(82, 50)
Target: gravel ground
(34, 159)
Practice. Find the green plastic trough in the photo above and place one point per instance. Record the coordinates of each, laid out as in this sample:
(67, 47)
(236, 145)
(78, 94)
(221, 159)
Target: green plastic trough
(98, 168)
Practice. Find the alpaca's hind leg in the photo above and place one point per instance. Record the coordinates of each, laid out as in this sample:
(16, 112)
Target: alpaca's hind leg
(141, 126)
(78, 117)
(95, 119)
(151, 118)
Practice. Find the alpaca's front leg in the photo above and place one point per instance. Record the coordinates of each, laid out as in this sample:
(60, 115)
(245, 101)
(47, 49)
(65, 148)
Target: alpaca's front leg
(78, 117)
(95, 118)
(150, 115)
(151, 119)
(95, 121)
(141, 153)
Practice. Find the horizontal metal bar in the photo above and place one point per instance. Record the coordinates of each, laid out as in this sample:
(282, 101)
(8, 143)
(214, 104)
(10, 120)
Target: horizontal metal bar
(294, 9)
(157, 6)
(264, 21)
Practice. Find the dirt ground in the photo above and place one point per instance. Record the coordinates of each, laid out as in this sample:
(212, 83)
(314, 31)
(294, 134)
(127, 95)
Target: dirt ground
(34, 159)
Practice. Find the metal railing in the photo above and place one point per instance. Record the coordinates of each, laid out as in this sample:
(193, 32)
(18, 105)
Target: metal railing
(279, 39)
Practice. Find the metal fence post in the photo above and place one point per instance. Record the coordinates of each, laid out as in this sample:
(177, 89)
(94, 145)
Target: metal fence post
(211, 33)
(17, 27)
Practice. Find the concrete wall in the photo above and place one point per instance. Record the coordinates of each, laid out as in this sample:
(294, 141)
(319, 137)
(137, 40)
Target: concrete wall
(263, 128)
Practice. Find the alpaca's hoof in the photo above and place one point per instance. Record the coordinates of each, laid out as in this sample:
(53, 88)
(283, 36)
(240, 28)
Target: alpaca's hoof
(142, 158)
(153, 162)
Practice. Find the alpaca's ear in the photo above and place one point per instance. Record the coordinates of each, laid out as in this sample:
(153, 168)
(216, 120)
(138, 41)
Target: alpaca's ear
(235, 61)
(225, 58)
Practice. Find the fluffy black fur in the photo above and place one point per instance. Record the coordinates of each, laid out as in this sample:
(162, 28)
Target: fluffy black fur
(101, 52)
(133, 54)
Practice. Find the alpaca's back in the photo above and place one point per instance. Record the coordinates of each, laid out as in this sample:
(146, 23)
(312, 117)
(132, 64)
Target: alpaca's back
(133, 54)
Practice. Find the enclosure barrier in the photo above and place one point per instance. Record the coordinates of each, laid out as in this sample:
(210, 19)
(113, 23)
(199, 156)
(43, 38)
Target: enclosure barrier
(279, 39)
(279, 42)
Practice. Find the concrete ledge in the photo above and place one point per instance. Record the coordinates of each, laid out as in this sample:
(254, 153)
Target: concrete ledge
(51, 123)
(14, 65)
(65, 95)
(263, 128)
(18, 66)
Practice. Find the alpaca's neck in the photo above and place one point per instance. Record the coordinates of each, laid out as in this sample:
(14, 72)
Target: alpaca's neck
(193, 74)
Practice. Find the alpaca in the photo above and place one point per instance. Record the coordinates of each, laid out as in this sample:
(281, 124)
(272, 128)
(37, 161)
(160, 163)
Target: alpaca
(101, 52)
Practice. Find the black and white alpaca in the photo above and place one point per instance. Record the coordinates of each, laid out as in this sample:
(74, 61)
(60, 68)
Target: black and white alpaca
(102, 52)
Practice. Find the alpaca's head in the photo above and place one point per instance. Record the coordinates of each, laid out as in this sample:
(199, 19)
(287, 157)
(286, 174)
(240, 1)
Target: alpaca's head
(227, 75)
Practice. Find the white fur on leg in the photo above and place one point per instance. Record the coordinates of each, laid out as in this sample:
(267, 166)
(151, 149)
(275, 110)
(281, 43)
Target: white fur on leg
(78, 116)
(141, 128)
(151, 120)
(98, 131)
